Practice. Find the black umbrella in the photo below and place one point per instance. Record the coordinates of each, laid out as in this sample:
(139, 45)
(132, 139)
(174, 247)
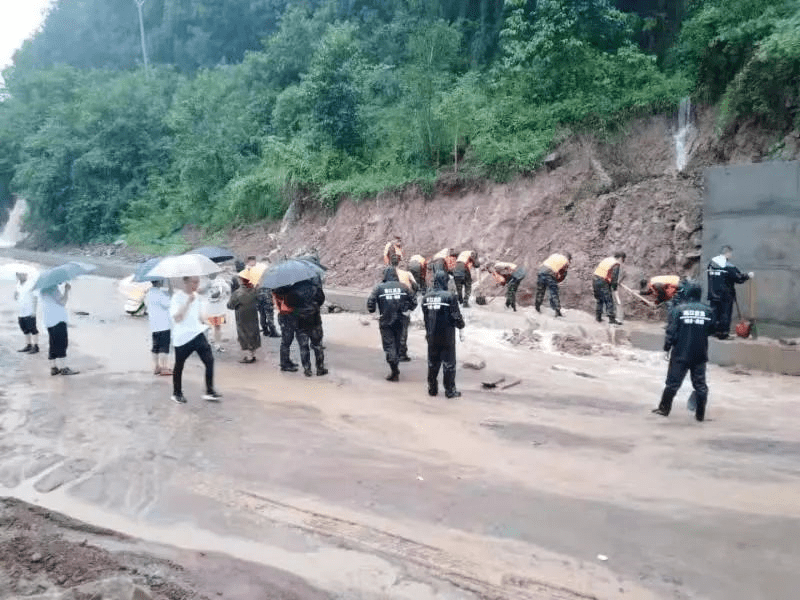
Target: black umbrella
(289, 272)
(141, 273)
(215, 253)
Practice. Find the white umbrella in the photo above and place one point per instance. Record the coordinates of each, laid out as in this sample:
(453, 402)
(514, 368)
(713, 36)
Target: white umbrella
(185, 265)
(9, 272)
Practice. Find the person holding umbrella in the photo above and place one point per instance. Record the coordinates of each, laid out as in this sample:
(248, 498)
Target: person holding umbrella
(54, 315)
(188, 329)
(54, 312)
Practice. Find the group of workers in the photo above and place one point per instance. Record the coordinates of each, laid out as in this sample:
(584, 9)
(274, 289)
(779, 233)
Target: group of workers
(177, 319)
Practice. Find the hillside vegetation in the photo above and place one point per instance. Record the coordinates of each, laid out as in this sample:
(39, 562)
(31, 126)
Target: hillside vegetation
(244, 104)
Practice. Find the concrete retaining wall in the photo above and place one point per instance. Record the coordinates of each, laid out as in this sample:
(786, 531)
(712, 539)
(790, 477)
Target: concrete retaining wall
(756, 210)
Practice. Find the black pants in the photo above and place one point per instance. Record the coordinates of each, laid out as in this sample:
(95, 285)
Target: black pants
(28, 325)
(723, 313)
(266, 314)
(675, 376)
(442, 356)
(309, 332)
(511, 292)
(288, 325)
(404, 337)
(59, 340)
(463, 280)
(602, 294)
(391, 338)
(544, 282)
(200, 345)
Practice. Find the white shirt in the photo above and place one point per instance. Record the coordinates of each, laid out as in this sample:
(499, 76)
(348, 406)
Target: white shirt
(53, 312)
(191, 326)
(216, 297)
(157, 301)
(26, 299)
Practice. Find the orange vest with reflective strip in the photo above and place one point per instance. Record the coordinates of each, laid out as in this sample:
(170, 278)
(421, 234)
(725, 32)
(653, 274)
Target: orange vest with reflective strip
(419, 259)
(673, 280)
(406, 278)
(443, 253)
(556, 262)
(390, 249)
(466, 257)
(450, 263)
(603, 270)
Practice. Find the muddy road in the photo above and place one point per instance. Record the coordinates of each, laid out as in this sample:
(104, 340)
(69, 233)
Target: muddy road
(564, 486)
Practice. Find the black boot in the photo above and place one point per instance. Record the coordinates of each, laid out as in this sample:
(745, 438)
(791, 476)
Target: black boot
(34, 349)
(558, 313)
(394, 375)
(599, 317)
(27, 348)
(538, 307)
(613, 321)
(665, 406)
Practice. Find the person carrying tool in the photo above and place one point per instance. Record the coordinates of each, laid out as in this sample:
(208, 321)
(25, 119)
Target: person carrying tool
(722, 277)
(442, 316)
(417, 266)
(686, 344)
(408, 280)
(393, 300)
(604, 283)
(462, 275)
(393, 252)
(552, 272)
(663, 288)
(509, 275)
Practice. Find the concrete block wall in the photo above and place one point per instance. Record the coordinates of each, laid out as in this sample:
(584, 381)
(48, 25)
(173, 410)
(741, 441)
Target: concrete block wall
(756, 210)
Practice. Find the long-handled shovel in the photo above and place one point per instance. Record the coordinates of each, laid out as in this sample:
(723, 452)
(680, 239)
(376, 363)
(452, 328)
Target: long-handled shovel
(752, 294)
(637, 296)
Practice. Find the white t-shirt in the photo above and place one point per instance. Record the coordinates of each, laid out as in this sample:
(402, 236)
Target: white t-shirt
(191, 326)
(26, 299)
(216, 298)
(158, 302)
(53, 312)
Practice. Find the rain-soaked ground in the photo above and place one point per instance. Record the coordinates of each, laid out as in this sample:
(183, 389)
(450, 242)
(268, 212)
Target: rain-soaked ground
(564, 486)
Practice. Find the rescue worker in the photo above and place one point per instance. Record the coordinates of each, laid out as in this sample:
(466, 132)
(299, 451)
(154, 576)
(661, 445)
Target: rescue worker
(442, 316)
(307, 297)
(288, 322)
(392, 300)
(462, 275)
(722, 277)
(408, 280)
(552, 272)
(393, 252)
(604, 283)
(418, 266)
(509, 275)
(439, 261)
(686, 343)
(266, 313)
(663, 288)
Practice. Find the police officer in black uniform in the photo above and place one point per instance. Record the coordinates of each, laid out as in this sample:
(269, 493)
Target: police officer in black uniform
(442, 316)
(393, 301)
(687, 338)
(722, 277)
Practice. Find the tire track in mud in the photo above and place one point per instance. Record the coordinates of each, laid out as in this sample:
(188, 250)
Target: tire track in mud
(436, 562)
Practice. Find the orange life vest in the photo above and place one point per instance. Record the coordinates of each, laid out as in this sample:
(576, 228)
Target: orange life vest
(450, 263)
(391, 249)
(603, 270)
(418, 259)
(407, 279)
(280, 302)
(673, 280)
(467, 257)
(556, 262)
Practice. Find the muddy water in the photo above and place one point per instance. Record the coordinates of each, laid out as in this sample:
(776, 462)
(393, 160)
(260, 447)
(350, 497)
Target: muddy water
(373, 490)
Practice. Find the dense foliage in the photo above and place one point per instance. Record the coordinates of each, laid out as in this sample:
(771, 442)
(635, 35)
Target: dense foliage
(248, 103)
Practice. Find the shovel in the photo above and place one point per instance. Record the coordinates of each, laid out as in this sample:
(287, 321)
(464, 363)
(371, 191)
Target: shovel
(752, 293)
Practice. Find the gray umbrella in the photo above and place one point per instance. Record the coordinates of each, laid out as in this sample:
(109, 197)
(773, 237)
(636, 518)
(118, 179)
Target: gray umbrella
(58, 275)
(215, 253)
(289, 272)
(141, 273)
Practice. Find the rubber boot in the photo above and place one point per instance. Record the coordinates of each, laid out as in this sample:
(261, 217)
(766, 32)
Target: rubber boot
(449, 378)
(433, 384)
(394, 375)
(700, 410)
(558, 313)
(665, 406)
